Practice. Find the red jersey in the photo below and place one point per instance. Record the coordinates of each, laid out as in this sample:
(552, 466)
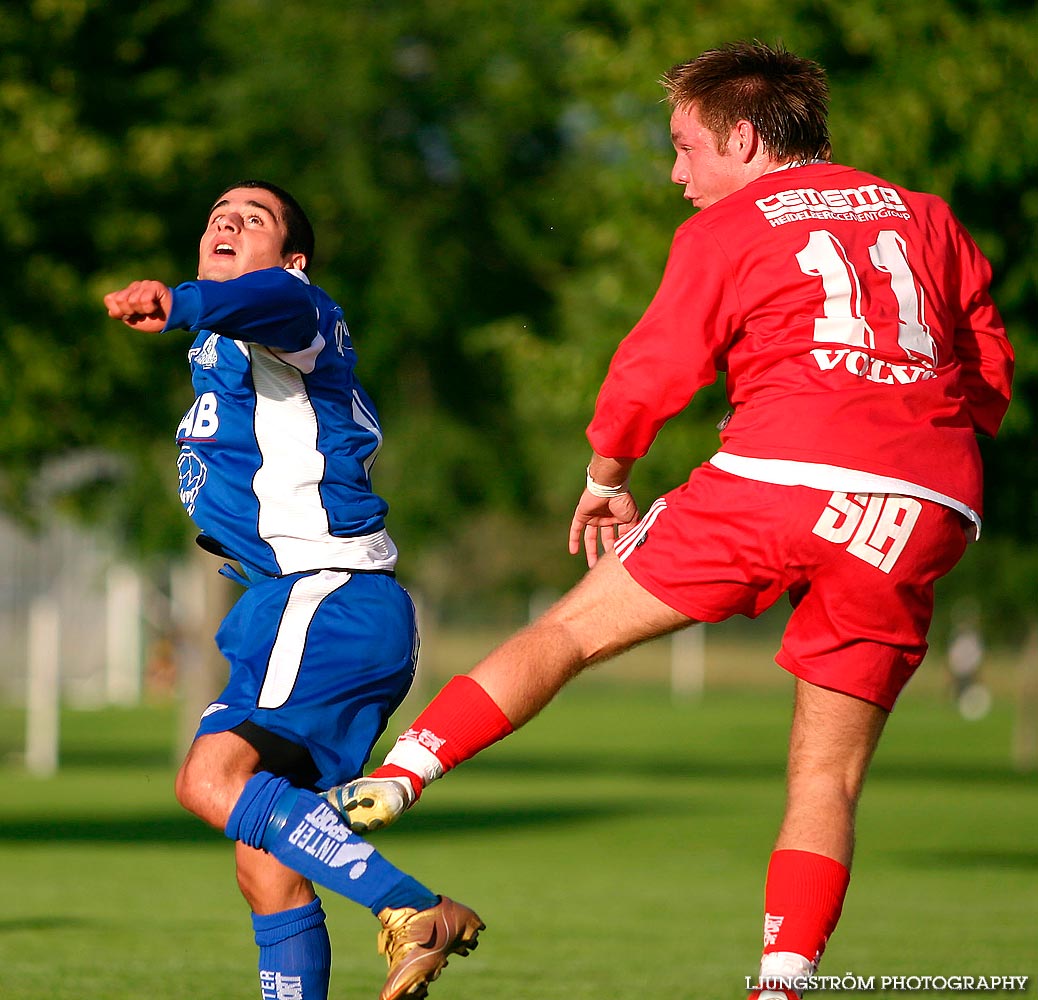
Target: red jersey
(855, 325)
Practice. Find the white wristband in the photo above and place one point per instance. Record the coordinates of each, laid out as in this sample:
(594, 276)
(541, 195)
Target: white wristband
(604, 492)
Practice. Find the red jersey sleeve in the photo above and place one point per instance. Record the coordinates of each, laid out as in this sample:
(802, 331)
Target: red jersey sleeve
(675, 349)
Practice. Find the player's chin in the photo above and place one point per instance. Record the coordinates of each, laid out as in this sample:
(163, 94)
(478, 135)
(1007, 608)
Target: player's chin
(219, 268)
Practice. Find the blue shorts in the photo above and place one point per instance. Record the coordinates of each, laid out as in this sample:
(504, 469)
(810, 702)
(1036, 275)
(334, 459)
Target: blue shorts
(318, 661)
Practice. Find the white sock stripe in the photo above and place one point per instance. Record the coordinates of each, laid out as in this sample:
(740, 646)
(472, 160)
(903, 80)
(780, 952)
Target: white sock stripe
(785, 965)
(409, 754)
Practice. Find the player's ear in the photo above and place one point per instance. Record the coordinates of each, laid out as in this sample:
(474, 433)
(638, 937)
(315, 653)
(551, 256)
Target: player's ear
(295, 260)
(744, 140)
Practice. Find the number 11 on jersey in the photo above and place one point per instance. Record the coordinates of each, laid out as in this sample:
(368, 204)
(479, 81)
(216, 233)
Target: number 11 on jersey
(843, 320)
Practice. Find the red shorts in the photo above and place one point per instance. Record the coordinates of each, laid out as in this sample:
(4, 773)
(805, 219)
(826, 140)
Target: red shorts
(859, 571)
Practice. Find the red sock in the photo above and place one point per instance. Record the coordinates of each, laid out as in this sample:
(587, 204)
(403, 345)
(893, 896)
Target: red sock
(459, 722)
(803, 900)
(392, 771)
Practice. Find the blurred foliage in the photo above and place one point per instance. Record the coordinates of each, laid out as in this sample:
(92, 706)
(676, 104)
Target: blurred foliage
(489, 184)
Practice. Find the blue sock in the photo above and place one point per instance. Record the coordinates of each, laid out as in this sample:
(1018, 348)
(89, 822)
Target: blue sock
(295, 958)
(306, 834)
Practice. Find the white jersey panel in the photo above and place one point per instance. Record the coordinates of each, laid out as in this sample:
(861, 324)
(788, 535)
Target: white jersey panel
(292, 517)
(366, 419)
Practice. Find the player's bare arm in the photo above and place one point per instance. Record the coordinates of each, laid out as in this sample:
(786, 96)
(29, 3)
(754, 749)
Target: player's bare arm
(142, 305)
(606, 508)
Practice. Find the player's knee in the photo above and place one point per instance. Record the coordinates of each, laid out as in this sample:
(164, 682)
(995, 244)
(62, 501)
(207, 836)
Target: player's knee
(198, 792)
(587, 643)
(573, 647)
(832, 794)
(185, 788)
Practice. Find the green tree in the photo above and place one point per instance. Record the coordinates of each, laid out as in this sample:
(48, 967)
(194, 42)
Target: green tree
(96, 142)
(489, 182)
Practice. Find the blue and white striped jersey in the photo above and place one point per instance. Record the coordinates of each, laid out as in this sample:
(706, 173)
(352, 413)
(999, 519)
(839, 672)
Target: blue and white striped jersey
(276, 451)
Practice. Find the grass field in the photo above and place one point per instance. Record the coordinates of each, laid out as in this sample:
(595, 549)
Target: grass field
(615, 847)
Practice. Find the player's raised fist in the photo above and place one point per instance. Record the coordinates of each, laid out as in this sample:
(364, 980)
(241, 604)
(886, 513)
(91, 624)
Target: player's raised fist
(143, 305)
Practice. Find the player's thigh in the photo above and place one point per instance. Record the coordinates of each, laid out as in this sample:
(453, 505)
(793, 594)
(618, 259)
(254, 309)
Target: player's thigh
(832, 739)
(608, 611)
(710, 549)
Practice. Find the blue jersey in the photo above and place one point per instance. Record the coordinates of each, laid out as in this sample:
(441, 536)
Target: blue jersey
(277, 449)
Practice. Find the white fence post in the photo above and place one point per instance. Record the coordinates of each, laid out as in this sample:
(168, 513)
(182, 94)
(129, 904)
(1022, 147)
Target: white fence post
(43, 695)
(200, 599)
(688, 662)
(1025, 730)
(122, 636)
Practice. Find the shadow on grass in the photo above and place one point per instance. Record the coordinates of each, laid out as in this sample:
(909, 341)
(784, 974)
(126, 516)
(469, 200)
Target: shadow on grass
(748, 768)
(665, 779)
(624, 764)
(185, 829)
(629, 763)
(965, 859)
(41, 924)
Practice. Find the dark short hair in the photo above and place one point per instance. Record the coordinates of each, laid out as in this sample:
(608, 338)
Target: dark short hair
(299, 234)
(784, 96)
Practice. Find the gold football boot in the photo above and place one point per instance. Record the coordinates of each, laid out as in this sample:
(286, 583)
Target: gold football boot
(417, 943)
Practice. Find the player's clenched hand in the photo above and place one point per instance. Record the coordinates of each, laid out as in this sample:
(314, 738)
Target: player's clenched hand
(600, 517)
(143, 305)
